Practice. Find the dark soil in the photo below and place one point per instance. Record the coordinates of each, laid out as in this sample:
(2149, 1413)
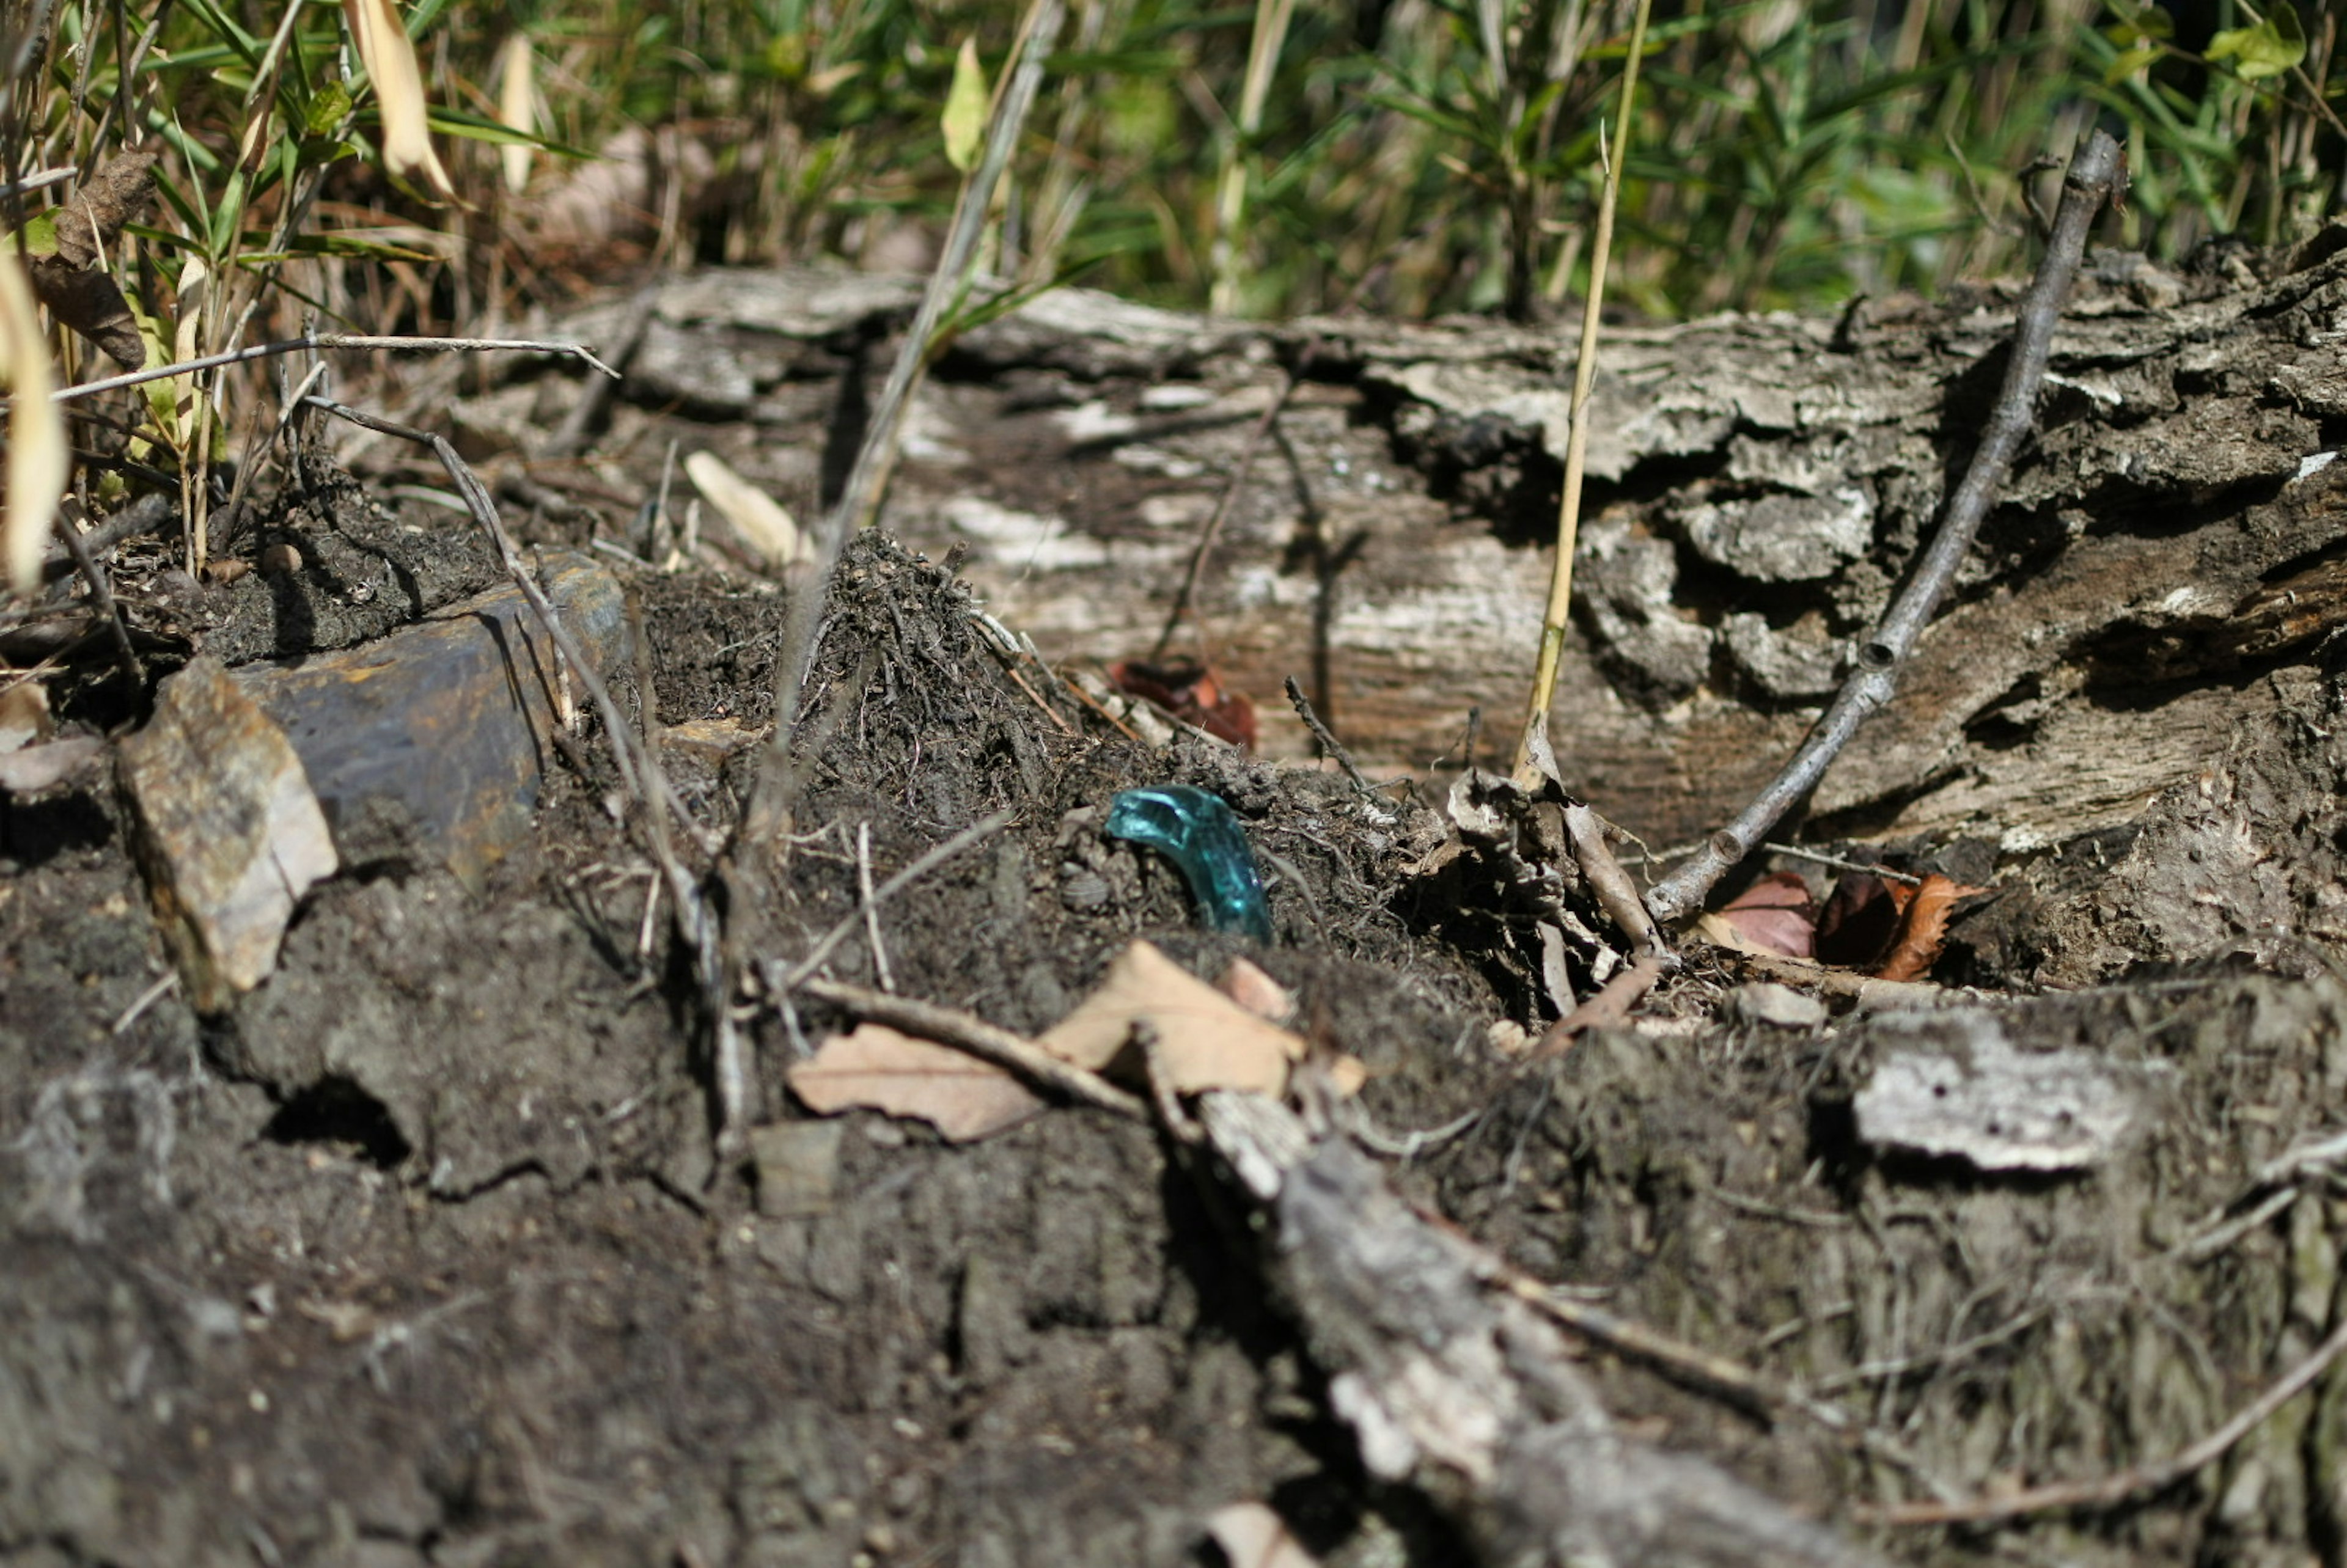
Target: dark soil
(421, 1253)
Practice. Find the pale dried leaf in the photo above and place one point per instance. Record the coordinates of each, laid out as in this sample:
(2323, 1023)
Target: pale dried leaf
(1205, 1040)
(876, 1067)
(389, 56)
(517, 108)
(757, 518)
(24, 715)
(1247, 985)
(36, 768)
(1252, 1536)
(39, 460)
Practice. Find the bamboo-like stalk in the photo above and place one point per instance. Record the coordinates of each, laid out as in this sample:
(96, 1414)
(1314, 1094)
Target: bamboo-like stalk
(1271, 19)
(1533, 748)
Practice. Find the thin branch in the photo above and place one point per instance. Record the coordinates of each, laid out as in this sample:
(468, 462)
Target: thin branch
(1012, 1052)
(1328, 742)
(2092, 174)
(1533, 746)
(2135, 1480)
(976, 832)
(329, 340)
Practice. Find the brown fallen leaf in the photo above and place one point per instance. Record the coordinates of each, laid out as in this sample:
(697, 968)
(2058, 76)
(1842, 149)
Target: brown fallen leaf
(1774, 915)
(1205, 1039)
(1246, 984)
(1923, 929)
(65, 251)
(876, 1068)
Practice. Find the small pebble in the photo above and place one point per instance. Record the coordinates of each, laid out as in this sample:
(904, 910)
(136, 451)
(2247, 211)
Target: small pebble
(281, 558)
(1765, 1001)
(1083, 891)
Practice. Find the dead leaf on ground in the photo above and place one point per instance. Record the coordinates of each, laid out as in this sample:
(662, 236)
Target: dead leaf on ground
(1922, 928)
(876, 1068)
(1252, 1536)
(1188, 689)
(1205, 1040)
(761, 521)
(1774, 915)
(1246, 984)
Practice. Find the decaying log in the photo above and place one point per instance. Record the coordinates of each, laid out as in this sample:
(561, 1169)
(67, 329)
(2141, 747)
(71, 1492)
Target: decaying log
(1758, 485)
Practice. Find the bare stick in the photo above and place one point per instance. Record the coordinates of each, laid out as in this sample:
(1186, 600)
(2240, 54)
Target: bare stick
(871, 909)
(976, 832)
(1576, 445)
(2135, 1480)
(875, 460)
(101, 595)
(1611, 1005)
(329, 340)
(1012, 1052)
(2092, 174)
(1328, 742)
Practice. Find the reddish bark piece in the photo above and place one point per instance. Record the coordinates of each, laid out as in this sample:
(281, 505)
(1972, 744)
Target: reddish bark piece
(876, 1068)
(1775, 914)
(1923, 929)
(1188, 689)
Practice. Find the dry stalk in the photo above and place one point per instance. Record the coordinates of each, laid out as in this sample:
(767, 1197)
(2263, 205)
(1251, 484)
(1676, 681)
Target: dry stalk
(1535, 744)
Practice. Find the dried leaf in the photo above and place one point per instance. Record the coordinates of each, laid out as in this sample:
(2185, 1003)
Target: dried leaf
(1188, 690)
(1774, 915)
(760, 520)
(389, 56)
(67, 250)
(1246, 984)
(1252, 1536)
(1923, 929)
(23, 716)
(516, 109)
(39, 460)
(964, 120)
(876, 1067)
(36, 768)
(1205, 1040)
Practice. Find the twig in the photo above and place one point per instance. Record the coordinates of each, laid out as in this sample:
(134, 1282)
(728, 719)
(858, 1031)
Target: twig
(1753, 1392)
(871, 907)
(976, 832)
(2092, 174)
(1013, 1053)
(2110, 1491)
(859, 502)
(1817, 857)
(327, 340)
(12, 188)
(1611, 1005)
(1553, 621)
(1616, 894)
(101, 595)
(1328, 742)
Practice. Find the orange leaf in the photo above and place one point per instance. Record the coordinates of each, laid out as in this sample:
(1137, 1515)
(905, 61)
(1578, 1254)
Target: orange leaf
(1922, 928)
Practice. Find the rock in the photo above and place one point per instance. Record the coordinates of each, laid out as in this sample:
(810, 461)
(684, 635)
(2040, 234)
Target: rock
(430, 743)
(231, 834)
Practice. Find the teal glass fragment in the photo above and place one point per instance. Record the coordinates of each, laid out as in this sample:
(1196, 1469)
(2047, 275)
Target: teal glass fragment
(1195, 830)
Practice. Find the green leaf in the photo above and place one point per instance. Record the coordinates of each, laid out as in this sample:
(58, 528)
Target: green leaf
(964, 120)
(327, 107)
(2272, 48)
(38, 237)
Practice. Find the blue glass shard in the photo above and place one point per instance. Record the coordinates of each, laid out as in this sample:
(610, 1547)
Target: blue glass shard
(1195, 830)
